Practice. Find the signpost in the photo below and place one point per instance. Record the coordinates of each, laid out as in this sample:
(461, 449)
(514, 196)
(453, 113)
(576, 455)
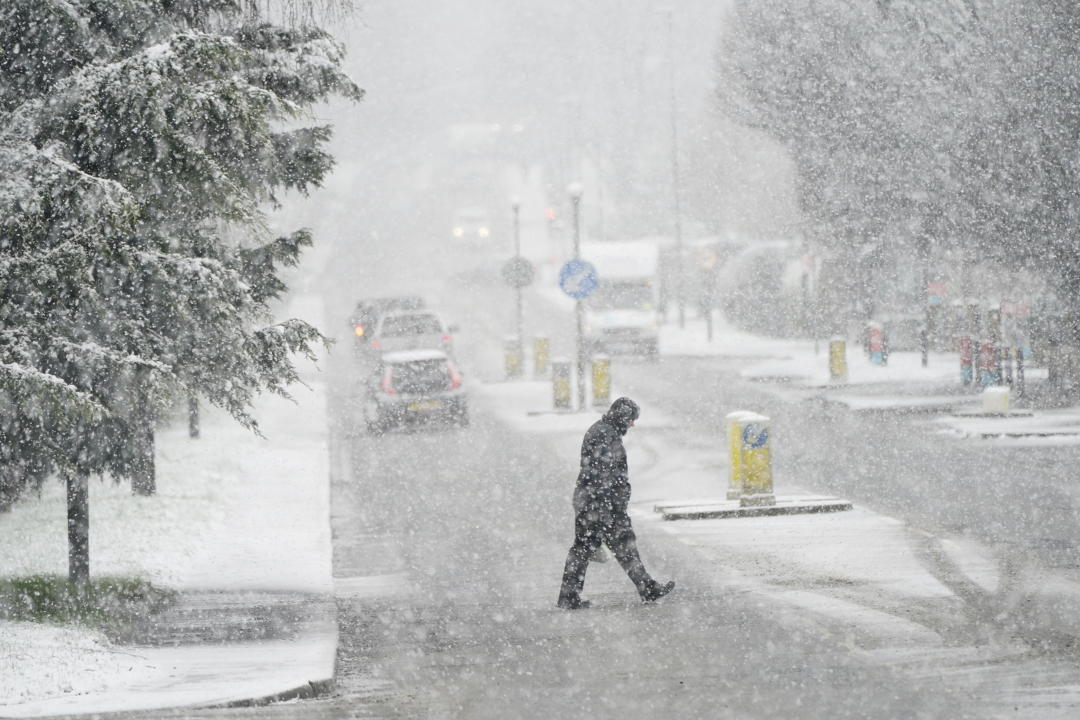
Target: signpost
(578, 279)
(518, 273)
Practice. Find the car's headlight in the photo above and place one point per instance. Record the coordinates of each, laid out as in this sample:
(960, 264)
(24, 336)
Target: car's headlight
(459, 232)
(483, 232)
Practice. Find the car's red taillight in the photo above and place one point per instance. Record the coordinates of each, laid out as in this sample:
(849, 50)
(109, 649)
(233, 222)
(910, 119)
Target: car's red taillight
(376, 344)
(446, 339)
(455, 377)
(388, 384)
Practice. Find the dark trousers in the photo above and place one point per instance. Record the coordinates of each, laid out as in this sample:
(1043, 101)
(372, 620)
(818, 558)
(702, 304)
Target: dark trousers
(593, 525)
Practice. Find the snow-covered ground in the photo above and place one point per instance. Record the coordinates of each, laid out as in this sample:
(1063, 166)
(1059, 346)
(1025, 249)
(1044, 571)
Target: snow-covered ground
(233, 512)
(839, 564)
(238, 512)
(859, 567)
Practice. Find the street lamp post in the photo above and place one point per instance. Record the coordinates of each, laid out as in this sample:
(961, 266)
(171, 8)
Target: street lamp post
(516, 205)
(574, 190)
(680, 284)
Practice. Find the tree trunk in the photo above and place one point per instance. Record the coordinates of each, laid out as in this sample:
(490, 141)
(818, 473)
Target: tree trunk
(193, 416)
(1063, 360)
(143, 477)
(78, 521)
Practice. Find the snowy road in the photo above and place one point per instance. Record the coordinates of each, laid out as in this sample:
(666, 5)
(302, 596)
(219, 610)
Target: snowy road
(467, 531)
(449, 546)
(477, 522)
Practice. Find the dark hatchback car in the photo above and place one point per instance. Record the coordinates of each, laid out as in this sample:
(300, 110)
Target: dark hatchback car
(414, 387)
(367, 313)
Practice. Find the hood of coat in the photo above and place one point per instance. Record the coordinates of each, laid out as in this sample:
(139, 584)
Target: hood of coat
(622, 413)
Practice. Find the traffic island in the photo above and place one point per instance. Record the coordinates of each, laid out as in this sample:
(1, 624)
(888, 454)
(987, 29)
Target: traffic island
(750, 483)
(995, 404)
(790, 505)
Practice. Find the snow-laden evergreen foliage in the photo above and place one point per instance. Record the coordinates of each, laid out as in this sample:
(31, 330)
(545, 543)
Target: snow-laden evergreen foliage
(139, 143)
(950, 122)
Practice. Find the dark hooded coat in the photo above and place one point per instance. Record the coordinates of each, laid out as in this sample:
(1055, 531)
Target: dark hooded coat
(604, 478)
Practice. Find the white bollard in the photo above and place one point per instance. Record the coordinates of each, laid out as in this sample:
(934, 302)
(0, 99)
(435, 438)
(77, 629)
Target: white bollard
(995, 400)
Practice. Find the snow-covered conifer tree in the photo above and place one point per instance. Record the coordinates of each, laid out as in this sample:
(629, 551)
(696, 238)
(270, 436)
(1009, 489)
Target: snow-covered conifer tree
(140, 142)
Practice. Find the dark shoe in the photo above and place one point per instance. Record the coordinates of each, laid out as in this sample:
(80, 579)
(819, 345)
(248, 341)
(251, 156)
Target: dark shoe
(572, 602)
(655, 591)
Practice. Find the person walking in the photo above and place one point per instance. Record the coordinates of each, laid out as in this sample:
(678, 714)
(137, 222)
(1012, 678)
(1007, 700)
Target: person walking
(600, 501)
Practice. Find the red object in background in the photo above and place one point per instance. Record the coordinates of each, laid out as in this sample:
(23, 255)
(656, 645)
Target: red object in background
(966, 356)
(876, 339)
(1017, 309)
(987, 356)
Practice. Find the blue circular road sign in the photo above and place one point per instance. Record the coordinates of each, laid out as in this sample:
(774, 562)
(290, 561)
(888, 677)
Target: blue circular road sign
(578, 279)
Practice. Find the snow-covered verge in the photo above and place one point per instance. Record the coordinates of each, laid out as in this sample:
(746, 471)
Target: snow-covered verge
(233, 511)
(39, 661)
(1043, 427)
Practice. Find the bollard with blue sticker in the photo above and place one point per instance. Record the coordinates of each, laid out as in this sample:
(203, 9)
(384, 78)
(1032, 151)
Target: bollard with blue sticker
(756, 462)
(733, 423)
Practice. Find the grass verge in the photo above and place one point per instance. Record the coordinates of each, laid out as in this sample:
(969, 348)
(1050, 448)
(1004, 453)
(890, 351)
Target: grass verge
(105, 603)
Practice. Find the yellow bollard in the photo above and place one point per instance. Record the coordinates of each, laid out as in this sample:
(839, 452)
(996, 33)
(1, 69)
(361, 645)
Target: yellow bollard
(756, 462)
(601, 380)
(541, 356)
(560, 383)
(734, 426)
(837, 360)
(514, 359)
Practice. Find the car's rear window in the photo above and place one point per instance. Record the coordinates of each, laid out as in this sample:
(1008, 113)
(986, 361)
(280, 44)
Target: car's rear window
(396, 325)
(421, 375)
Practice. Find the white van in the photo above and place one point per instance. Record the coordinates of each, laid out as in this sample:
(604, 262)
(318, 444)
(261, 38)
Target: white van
(621, 313)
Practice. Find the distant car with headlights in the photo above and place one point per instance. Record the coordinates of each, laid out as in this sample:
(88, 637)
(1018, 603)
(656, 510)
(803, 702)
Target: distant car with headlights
(412, 330)
(471, 223)
(368, 311)
(414, 387)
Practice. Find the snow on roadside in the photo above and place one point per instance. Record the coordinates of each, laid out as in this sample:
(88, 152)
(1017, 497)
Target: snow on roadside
(60, 660)
(728, 341)
(232, 511)
(812, 369)
(855, 565)
(1045, 427)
